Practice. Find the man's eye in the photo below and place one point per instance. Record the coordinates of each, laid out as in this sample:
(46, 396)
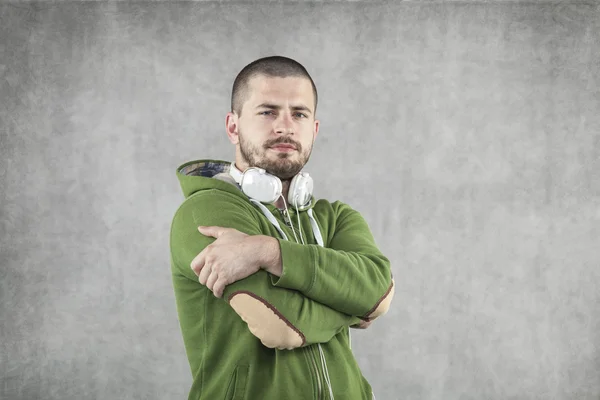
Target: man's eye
(302, 115)
(266, 112)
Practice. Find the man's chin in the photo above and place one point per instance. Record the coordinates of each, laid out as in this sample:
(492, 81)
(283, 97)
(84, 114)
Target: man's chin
(283, 173)
(282, 167)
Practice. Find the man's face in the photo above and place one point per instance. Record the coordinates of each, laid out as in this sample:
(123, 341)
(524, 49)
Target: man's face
(277, 128)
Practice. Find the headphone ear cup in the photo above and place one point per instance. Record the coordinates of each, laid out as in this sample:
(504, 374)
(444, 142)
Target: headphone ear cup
(261, 186)
(301, 189)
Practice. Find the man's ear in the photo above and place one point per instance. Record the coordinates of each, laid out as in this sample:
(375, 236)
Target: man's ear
(231, 126)
(316, 130)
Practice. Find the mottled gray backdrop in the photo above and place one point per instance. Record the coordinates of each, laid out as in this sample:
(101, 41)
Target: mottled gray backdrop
(467, 133)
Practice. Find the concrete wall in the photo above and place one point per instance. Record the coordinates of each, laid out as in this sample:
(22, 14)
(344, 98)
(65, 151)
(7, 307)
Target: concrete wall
(467, 133)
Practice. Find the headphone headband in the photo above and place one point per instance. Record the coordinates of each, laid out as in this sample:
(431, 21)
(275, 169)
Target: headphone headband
(235, 173)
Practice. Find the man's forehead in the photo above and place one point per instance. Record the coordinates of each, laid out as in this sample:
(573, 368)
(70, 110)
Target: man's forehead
(266, 84)
(263, 88)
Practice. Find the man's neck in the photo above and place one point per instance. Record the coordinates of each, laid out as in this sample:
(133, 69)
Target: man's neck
(285, 184)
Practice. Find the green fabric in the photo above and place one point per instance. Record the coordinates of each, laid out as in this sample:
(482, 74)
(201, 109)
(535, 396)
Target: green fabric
(322, 292)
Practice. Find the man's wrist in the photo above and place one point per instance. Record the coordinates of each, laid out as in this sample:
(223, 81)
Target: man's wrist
(271, 255)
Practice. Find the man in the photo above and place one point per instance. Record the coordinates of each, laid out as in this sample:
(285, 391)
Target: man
(267, 279)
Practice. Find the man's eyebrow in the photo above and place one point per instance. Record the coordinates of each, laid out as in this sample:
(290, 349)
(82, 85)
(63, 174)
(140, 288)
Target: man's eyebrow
(276, 107)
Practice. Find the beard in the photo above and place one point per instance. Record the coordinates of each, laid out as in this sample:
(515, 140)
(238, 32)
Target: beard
(282, 166)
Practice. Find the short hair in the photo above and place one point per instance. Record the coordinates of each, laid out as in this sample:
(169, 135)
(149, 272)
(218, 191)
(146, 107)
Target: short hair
(273, 66)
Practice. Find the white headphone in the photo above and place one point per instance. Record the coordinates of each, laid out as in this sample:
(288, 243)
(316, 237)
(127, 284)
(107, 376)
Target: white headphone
(258, 184)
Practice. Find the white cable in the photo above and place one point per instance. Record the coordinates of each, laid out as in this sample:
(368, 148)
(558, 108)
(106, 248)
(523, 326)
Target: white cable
(298, 214)
(349, 339)
(270, 217)
(324, 365)
(288, 214)
(315, 228)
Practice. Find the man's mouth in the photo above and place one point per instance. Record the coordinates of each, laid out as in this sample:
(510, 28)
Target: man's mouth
(283, 147)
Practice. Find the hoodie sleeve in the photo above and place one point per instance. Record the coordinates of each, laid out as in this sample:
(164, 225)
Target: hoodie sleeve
(281, 318)
(349, 274)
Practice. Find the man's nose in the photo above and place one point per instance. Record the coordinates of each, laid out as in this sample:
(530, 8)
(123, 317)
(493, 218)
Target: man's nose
(284, 124)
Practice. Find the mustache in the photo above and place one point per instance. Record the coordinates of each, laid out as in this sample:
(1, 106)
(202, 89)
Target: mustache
(283, 141)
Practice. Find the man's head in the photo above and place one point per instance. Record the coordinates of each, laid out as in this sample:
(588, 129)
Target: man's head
(273, 102)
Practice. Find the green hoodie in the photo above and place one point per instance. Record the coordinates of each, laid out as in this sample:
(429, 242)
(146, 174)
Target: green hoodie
(268, 337)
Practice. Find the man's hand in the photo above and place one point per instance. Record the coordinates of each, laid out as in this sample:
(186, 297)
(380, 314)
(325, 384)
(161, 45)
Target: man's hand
(232, 257)
(363, 324)
(228, 259)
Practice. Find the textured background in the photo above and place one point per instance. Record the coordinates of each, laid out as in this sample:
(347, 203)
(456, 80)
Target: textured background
(466, 133)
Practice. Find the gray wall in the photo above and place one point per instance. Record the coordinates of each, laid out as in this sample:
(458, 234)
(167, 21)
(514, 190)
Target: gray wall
(466, 133)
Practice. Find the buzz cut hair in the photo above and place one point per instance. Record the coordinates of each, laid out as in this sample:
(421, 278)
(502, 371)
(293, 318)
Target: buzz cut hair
(273, 66)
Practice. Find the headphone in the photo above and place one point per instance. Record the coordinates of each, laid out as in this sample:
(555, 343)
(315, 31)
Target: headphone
(258, 184)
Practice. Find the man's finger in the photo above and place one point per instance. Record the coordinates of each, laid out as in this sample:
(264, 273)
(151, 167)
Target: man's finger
(204, 274)
(214, 231)
(363, 324)
(198, 262)
(218, 288)
(210, 282)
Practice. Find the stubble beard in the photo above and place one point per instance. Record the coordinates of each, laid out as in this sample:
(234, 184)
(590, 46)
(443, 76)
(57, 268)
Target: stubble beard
(283, 167)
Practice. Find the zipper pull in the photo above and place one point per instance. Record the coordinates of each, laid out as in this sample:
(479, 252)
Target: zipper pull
(286, 217)
(288, 220)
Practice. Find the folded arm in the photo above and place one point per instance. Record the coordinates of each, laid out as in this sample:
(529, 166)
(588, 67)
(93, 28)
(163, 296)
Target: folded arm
(279, 317)
(349, 274)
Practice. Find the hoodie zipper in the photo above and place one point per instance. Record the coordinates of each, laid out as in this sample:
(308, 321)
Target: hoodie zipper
(286, 217)
(288, 220)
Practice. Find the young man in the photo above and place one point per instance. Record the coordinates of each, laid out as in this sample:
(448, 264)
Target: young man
(267, 278)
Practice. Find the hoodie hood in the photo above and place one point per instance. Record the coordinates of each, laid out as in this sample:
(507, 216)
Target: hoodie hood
(198, 175)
